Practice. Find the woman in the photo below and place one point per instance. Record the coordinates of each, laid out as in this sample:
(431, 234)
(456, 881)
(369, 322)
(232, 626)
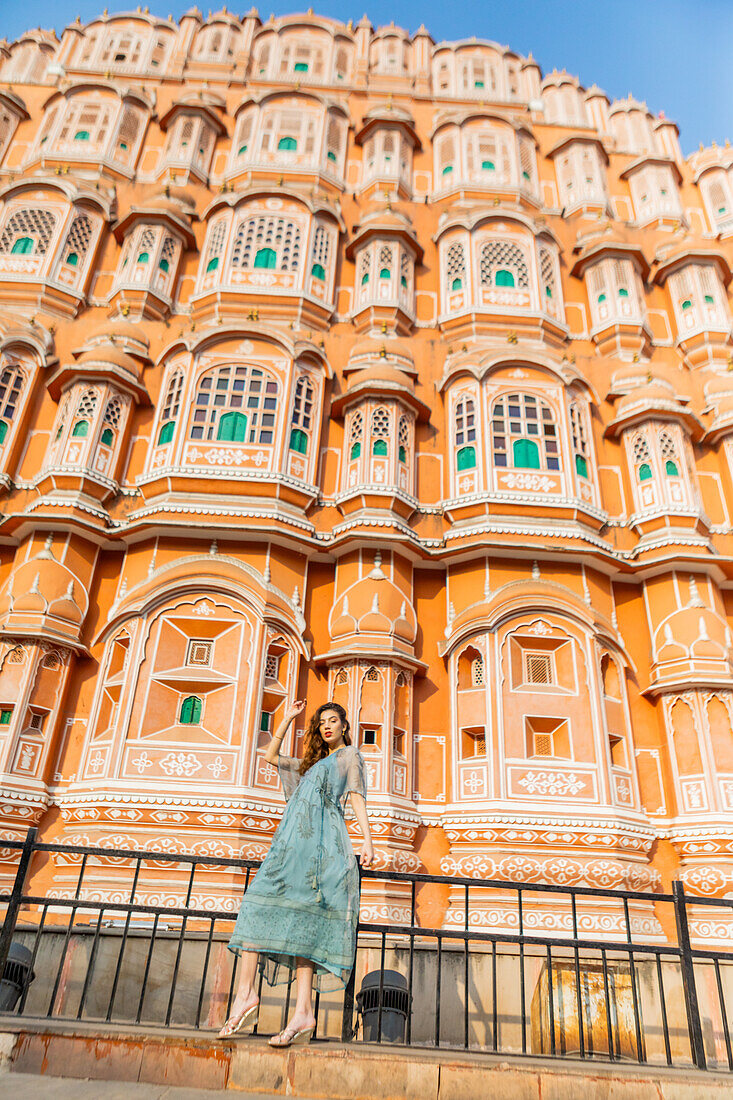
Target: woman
(301, 911)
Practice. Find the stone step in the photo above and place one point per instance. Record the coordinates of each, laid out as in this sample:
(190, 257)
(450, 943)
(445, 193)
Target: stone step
(177, 1059)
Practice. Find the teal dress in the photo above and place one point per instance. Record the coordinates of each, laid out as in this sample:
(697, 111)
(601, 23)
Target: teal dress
(304, 899)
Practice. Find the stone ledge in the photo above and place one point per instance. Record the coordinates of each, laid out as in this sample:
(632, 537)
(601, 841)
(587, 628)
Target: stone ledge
(329, 1070)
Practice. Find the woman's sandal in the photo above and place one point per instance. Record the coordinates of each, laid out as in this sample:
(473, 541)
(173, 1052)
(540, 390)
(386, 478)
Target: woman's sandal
(290, 1036)
(235, 1024)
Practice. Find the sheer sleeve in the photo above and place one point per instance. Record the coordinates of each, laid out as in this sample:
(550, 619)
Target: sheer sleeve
(288, 767)
(356, 775)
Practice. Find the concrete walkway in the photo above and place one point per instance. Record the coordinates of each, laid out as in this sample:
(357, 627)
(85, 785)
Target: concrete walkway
(29, 1086)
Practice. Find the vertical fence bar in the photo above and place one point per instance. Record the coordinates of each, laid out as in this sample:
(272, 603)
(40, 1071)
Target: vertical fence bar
(522, 990)
(16, 897)
(204, 972)
(687, 968)
(607, 1001)
(578, 994)
(723, 1014)
(36, 945)
(663, 1003)
(439, 965)
(144, 986)
(634, 990)
(411, 963)
(465, 977)
(123, 944)
(347, 1018)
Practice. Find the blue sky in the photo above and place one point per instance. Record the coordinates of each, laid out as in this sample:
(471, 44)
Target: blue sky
(675, 54)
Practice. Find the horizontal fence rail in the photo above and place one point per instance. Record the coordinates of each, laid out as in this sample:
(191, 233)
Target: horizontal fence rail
(516, 968)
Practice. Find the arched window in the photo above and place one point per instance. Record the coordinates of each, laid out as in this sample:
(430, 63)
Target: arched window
(642, 458)
(217, 235)
(81, 429)
(33, 227)
(477, 671)
(548, 280)
(668, 454)
(380, 432)
(171, 409)
(464, 433)
(503, 264)
(231, 389)
(456, 266)
(300, 424)
(191, 709)
(580, 441)
(320, 253)
(112, 420)
(355, 435)
(11, 387)
(523, 433)
(269, 242)
(403, 439)
(287, 143)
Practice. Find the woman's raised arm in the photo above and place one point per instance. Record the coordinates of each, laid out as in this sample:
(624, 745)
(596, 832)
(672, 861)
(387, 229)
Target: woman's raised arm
(292, 710)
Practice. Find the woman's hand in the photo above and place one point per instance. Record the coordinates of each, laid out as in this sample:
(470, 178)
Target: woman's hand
(292, 710)
(366, 855)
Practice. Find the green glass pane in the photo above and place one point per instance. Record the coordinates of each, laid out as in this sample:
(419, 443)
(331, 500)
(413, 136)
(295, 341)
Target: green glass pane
(265, 257)
(403, 282)
(466, 458)
(298, 441)
(3, 430)
(478, 84)
(525, 175)
(265, 721)
(287, 143)
(488, 165)
(709, 300)
(581, 466)
(402, 454)
(81, 429)
(318, 271)
(164, 265)
(601, 297)
(73, 259)
(232, 427)
(384, 273)
(242, 150)
(213, 264)
(504, 278)
(645, 472)
(671, 468)
(365, 279)
(107, 437)
(81, 135)
(447, 170)
(380, 448)
(191, 708)
(526, 454)
(22, 246)
(687, 304)
(457, 284)
(166, 432)
(623, 292)
(330, 155)
(6, 713)
(548, 291)
(355, 451)
(301, 67)
(143, 258)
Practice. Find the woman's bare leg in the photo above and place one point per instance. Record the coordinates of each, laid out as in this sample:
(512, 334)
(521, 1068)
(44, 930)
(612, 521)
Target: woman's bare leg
(303, 1016)
(246, 992)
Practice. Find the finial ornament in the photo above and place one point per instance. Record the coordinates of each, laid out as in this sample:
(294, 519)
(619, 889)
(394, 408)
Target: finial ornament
(695, 600)
(535, 571)
(377, 573)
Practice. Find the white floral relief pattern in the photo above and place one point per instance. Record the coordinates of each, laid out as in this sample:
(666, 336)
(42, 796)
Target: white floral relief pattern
(552, 783)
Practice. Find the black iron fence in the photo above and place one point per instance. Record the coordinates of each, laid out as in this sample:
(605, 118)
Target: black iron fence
(515, 968)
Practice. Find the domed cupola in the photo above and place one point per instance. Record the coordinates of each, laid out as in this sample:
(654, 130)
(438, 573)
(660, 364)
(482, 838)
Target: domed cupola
(44, 598)
(373, 616)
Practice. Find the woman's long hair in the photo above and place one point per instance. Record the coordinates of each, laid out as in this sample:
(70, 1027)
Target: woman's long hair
(314, 747)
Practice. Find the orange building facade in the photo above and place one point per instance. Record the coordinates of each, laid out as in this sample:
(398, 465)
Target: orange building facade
(340, 363)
